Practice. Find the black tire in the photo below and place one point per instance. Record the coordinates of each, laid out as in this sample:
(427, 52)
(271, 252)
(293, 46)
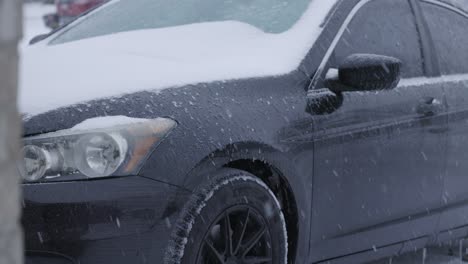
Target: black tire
(229, 199)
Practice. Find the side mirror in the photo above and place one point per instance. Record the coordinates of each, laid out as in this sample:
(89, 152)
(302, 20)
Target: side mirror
(367, 72)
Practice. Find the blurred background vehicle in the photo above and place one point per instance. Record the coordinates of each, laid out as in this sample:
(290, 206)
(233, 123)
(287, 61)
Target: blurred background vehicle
(67, 10)
(33, 24)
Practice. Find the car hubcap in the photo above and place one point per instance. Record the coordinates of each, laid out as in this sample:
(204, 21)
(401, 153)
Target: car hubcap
(238, 236)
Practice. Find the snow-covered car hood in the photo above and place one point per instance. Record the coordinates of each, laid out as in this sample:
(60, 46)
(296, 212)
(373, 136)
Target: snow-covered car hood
(55, 76)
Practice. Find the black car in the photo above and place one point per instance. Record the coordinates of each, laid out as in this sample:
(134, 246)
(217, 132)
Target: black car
(292, 131)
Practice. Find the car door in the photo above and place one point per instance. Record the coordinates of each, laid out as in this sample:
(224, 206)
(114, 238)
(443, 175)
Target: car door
(448, 26)
(379, 158)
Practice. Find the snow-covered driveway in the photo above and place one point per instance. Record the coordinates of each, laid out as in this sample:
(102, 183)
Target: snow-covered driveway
(433, 257)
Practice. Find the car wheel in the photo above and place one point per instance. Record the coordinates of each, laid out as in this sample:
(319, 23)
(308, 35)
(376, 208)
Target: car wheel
(235, 219)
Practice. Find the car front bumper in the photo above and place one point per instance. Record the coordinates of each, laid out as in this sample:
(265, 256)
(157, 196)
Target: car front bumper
(115, 220)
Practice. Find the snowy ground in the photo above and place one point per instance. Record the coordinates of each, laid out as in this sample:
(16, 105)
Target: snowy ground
(434, 256)
(34, 25)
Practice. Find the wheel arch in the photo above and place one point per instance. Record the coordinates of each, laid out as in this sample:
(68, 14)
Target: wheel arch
(281, 188)
(266, 163)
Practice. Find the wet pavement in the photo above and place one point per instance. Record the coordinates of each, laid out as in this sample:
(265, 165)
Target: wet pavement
(432, 256)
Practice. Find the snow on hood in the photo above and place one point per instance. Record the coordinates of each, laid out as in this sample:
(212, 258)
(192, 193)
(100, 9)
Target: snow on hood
(61, 75)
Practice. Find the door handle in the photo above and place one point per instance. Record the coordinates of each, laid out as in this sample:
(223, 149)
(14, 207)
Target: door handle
(429, 106)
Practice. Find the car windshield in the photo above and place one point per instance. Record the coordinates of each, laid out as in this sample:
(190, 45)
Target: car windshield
(271, 16)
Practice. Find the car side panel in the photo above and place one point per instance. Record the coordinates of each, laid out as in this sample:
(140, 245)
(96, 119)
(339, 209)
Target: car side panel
(448, 25)
(379, 164)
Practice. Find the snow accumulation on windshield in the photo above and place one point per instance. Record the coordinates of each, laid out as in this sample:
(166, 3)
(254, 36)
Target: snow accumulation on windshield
(156, 59)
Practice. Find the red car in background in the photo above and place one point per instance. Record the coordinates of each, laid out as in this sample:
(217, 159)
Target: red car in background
(67, 10)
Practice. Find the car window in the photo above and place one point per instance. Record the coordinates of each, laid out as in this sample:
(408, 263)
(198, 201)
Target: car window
(449, 33)
(272, 16)
(384, 27)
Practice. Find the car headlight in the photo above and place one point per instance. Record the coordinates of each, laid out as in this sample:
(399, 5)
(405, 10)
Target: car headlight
(117, 150)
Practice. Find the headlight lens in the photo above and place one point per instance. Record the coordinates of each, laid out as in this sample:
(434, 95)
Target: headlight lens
(36, 161)
(100, 154)
(118, 150)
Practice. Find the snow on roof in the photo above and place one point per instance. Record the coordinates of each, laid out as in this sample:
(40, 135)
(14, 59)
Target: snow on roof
(155, 59)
